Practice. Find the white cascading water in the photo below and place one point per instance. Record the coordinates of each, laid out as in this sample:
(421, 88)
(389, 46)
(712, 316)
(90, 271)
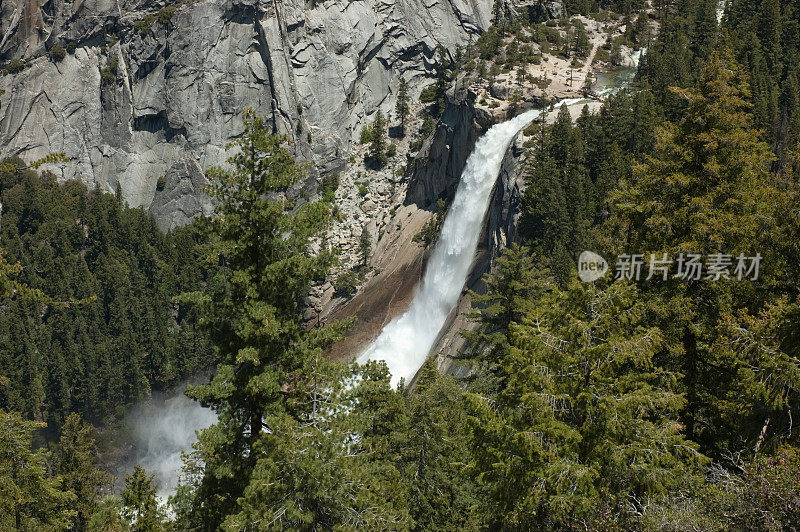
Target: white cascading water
(404, 343)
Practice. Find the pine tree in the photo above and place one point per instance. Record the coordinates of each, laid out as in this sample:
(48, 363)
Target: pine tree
(311, 473)
(509, 289)
(75, 460)
(706, 190)
(402, 108)
(254, 313)
(364, 246)
(140, 505)
(588, 419)
(108, 516)
(432, 454)
(376, 156)
(30, 499)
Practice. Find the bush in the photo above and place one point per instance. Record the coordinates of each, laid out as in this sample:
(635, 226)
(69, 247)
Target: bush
(602, 55)
(346, 284)
(391, 151)
(362, 190)
(57, 53)
(143, 26)
(71, 47)
(328, 187)
(109, 72)
(15, 66)
(366, 135)
(165, 14)
(428, 94)
(161, 183)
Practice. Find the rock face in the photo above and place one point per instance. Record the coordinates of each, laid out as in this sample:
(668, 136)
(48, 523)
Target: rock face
(437, 166)
(503, 214)
(148, 94)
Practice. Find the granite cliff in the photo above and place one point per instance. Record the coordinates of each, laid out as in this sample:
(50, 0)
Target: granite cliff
(148, 93)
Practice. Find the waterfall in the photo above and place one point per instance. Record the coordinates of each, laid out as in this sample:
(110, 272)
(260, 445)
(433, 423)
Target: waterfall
(405, 342)
(160, 430)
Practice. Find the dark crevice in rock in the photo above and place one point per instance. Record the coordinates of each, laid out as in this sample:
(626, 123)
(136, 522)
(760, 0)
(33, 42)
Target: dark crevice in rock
(153, 123)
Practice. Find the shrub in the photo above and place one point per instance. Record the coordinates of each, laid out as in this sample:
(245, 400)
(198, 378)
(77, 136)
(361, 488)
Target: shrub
(362, 189)
(109, 72)
(391, 151)
(328, 187)
(161, 183)
(428, 94)
(346, 284)
(143, 25)
(366, 135)
(57, 53)
(71, 47)
(15, 66)
(165, 14)
(601, 55)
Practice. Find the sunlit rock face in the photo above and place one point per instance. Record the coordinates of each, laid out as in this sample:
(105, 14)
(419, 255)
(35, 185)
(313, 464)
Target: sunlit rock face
(137, 102)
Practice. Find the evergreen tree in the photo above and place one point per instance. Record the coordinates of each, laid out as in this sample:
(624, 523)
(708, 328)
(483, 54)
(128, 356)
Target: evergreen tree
(30, 499)
(108, 516)
(140, 504)
(706, 190)
(510, 286)
(254, 315)
(311, 473)
(401, 107)
(588, 419)
(376, 156)
(432, 453)
(364, 246)
(75, 460)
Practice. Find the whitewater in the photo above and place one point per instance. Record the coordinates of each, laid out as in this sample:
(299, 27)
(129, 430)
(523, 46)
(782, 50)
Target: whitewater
(406, 341)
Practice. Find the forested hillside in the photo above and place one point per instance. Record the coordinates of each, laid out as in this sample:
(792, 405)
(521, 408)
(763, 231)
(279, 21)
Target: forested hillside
(661, 396)
(107, 330)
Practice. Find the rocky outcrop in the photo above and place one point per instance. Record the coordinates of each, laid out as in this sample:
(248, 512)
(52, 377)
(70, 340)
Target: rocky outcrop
(147, 96)
(503, 214)
(436, 168)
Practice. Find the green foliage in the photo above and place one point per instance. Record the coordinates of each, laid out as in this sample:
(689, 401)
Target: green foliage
(108, 516)
(364, 246)
(57, 53)
(583, 416)
(401, 107)
(428, 94)
(108, 74)
(71, 47)
(144, 25)
(161, 182)
(107, 331)
(30, 498)
(15, 66)
(346, 283)
(254, 315)
(430, 231)
(707, 189)
(376, 156)
(165, 14)
(366, 135)
(76, 461)
(328, 187)
(140, 506)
